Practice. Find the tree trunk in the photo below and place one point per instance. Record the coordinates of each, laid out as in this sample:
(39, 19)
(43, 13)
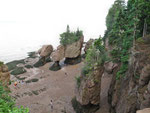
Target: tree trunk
(134, 33)
(145, 28)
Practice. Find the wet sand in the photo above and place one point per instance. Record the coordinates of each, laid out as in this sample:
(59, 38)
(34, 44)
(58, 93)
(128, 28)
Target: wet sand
(52, 85)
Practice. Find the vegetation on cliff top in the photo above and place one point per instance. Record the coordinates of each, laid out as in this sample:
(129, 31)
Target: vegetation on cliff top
(95, 56)
(69, 37)
(125, 24)
(7, 104)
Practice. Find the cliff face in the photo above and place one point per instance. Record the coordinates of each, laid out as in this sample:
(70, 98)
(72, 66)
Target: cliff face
(128, 94)
(89, 90)
(132, 92)
(4, 75)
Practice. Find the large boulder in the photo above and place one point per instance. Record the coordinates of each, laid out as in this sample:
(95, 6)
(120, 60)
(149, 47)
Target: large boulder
(46, 50)
(4, 75)
(146, 110)
(58, 54)
(44, 53)
(132, 91)
(74, 50)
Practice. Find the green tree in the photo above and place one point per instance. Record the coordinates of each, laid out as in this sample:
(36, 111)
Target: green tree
(70, 37)
(124, 25)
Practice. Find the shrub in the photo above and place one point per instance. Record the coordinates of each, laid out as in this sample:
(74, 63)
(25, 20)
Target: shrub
(70, 37)
(19, 110)
(95, 56)
(122, 70)
(85, 70)
(7, 104)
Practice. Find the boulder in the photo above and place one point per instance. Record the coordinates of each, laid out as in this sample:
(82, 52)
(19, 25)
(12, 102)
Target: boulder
(88, 45)
(46, 50)
(44, 53)
(58, 54)
(74, 50)
(146, 110)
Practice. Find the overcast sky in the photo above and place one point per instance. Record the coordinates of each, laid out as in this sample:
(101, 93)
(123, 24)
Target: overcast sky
(27, 22)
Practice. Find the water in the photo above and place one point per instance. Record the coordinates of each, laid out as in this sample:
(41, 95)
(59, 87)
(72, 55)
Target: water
(19, 49)
(16, 49)
(27, 25)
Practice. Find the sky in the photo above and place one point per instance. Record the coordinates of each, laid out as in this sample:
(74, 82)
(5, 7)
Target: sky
(41, 21)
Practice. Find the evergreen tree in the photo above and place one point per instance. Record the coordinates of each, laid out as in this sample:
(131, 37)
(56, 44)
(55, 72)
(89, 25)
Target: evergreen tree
(124, 25)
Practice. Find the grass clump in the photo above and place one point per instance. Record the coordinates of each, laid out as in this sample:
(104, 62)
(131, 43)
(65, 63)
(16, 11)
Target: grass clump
(12, 65)
(18, 71)
(70, 37)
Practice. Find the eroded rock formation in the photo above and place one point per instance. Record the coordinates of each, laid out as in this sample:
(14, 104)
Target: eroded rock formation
(46, 50)
(58, 54)
(89, 90)
(4, 75)
(73, 52)
(44, 53)
(131, 92)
